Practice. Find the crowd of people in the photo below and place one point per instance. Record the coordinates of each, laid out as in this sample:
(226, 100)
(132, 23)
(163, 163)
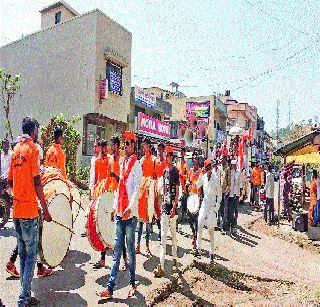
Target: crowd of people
(203, 192)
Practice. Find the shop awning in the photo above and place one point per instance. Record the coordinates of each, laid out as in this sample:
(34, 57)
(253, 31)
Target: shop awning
(311, 158)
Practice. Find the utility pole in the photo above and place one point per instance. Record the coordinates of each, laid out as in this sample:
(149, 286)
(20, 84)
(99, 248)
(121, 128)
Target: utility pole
(289, 114)
(278, 112)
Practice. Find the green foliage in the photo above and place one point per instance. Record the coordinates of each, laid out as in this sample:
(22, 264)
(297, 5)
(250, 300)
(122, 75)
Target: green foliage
(82, 174)
(9, 87)
(72, 139)
(276, 160)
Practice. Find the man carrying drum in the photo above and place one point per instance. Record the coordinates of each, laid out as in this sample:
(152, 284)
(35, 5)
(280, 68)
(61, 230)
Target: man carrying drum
(148, 173)
(96, 154)
(102, 163)
(193, 177)
(56, 156)
(169, 214)
(24, 178)
(210, 181)
(126, 211)
(112, 184)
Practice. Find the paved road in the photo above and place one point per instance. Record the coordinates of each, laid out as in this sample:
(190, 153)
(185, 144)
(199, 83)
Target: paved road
(75, 282)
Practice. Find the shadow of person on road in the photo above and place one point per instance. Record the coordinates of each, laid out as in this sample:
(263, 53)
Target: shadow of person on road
(137, 300)
(244, 240)
(55, 288)
(206, 253)
(244, 231)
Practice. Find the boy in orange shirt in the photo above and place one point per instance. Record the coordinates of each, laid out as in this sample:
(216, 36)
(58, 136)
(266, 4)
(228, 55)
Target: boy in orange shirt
(102, 163)
(56, 156)
(24, 178)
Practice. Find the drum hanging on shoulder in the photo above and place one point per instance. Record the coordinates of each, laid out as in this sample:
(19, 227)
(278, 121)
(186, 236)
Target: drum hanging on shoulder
(193, 203)
(100, 228)
(55, 239)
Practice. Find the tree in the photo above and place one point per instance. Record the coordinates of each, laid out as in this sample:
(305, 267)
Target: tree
(72, 139)
(9, 87)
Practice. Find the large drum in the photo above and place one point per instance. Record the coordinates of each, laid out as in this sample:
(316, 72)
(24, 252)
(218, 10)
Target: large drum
(55, 236)
(193, 203)
(100, 228)
(54, 183)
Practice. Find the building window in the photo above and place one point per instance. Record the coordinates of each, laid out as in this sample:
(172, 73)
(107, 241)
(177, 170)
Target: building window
(114, 77)
(57, 18)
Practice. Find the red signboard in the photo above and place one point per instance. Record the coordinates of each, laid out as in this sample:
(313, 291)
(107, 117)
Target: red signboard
(103, 89)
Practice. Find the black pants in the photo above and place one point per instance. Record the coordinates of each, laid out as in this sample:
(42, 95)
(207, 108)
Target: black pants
(184, 210)
(124, 253)
(269, 210)
(233, 212)
(193, 222)
(254, 199)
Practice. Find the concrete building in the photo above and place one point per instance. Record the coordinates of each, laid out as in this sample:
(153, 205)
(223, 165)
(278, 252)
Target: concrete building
(217, 116)
(61, 69)
(243, 115)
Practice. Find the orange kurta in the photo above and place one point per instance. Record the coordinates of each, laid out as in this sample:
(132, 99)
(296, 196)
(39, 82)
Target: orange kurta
(115, 168)
(148, 172)
(193, 178)
(101, 168)
(313, 198)
(56, 157)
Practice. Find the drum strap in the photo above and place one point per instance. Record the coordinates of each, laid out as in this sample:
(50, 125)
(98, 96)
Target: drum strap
(123, 200)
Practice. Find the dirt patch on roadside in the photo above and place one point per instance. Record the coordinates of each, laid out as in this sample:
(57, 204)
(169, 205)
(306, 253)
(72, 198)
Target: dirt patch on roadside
(215, 284)
(299, 239)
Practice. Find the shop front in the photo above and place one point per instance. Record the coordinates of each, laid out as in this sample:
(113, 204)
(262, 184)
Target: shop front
(98, 126)
(156, 130)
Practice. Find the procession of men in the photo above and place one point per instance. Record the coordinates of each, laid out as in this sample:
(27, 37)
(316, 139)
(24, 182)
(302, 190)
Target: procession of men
(160, 188)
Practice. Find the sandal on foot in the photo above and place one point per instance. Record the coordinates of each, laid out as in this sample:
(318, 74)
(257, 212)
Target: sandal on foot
(105, 294)
(132, 292)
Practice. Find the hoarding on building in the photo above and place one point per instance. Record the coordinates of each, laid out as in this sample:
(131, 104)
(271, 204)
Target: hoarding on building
(141, 96)
(154, 127)
(201, 110)
(103, 89)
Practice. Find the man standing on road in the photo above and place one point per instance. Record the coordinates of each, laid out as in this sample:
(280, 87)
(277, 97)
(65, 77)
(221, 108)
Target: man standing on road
(5, 163)
(225, 186)
(183, 175)
(169, 212)
(126, 212)
(269, 207)
(96, 153)
(256, 181)
(24, 178)
(235, 191)
(210, 181)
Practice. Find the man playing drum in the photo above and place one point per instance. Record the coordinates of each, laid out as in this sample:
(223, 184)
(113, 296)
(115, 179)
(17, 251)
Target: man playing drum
(113, 181)
(56, 156)
(126, 211)
(148, 172)
(169, 214)
(210, 181)
(102, 163)
(96, 154)
(24, 178)
(193, 177)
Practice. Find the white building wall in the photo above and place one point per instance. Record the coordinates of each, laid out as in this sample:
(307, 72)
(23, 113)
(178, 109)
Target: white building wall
(112, 35)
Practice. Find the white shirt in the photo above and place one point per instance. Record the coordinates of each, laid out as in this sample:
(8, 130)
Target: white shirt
(269, 185)
(92, 171)
(132, 184)
(5, 164)
(211, 188)
(235, 183)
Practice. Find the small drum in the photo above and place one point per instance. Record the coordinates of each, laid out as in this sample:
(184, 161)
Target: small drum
(193, 203)
(55, 239)
(100, 228)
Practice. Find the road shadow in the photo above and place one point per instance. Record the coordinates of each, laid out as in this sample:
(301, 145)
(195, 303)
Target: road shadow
(138, 300)
(206, 254)
(244, 231)
(123, 280)
(245, 209)
(243, 240)
(69, 277)
(7, 232)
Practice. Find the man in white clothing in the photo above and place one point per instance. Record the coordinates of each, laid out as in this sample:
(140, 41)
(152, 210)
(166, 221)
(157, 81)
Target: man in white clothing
(210, 181)
(96, 153)
(235, 191)
(5, 162)
(269, 207)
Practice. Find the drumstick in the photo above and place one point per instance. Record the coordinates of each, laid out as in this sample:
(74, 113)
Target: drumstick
(63, 226)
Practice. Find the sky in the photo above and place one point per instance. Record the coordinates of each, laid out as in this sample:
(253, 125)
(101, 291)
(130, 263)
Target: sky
(262, 51)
